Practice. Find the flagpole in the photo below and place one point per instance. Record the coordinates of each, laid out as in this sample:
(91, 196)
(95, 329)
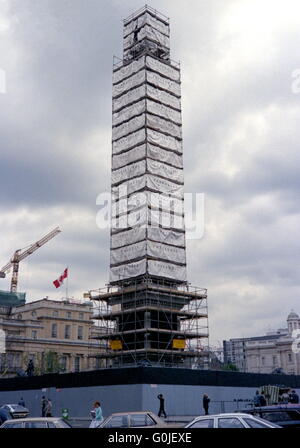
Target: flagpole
(67, 283)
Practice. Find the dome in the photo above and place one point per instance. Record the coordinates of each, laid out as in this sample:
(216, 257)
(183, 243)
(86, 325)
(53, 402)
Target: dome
(292, 315)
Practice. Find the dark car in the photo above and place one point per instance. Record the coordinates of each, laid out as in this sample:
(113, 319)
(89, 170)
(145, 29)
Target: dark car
(15, 410)
(284, 415)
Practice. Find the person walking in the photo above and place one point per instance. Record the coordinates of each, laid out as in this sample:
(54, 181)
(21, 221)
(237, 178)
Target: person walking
(206, 401)
(48, 409)
(97, 415)
(293, 397)
(22, 402)
(256, 399)
(262, 399)
(161, 406)
(44, 404)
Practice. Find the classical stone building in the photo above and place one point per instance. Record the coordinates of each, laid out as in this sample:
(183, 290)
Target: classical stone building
(54, 334)
(271, 353)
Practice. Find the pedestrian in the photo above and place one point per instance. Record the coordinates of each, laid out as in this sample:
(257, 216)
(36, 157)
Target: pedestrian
(30, 368)
(44, 404)
(161, 406)
(256, 399)
(263, 401)
(285, 398)
(294, 397)
(97, 415)
(22, 402)
(206, 401)
(48, 409)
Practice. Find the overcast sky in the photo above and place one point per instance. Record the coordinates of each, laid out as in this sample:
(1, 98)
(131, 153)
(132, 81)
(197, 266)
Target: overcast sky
(241, 146)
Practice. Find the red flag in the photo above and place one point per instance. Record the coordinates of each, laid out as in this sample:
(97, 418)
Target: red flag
(57, 283)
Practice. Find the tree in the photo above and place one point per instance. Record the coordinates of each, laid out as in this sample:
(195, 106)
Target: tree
(231, 367)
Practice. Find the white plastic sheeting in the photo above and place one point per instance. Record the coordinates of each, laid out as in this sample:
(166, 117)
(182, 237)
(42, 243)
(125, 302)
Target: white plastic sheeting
(129, 270)
(164, 68)
(148, 180)
(133, 155)
(129, 126)
(147, 248)
(156, 153)
(150, 199)
(128, 237)
(129, 171)
(129, 83)
(128, 112)
(146, 18)
(163, 111)
(164, 83)
(147, 32)
(166, 141)
(166, 236)
(155, 167)
(129, 141)
(128, 70)
(130, 97)
(162, 125)
(163, 97)
(167, 270)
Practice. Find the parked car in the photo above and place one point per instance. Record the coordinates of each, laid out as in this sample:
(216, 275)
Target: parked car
(284, 415)
(236, 420)
(15, 410)
(133, 420)
(42, 422)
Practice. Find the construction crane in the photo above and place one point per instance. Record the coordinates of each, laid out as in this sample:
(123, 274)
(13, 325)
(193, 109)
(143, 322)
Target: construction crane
(20, 254)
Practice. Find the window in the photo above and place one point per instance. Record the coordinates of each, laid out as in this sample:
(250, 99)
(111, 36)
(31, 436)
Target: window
(69, 315)
(55, 313)
(33, 314)
(263, 361)
(290, 357)
(230, 423)
(81, 316)
(254, 423)
(137, 420)
(274, 360)
(63, 362)
(13, 425)
(80, 333)
(36, 424)
(54, 331)
(67, 331)
(77, 363)
(34, 334)
(207, 423)
(119, 421)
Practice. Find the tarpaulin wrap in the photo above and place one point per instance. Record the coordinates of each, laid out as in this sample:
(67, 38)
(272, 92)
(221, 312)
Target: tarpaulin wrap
(128, 127)
(129, 171)
(167, 270)
(127, 237)
(163, 111)
(144, 217)
(162, 125)
(166, 236)
(163, 97)
(147, 32)
(130, 156)
(147, 248)
(129, 83)
(149, 199)
(128, 112)
(129, 141)
(164, 83)
(129, 270)
(161, 169)
(151, 77)
(163, 67)
(156, 153)
(152, 182)
(144, 19)
(128, 70)
(130, 97)
(166, 141)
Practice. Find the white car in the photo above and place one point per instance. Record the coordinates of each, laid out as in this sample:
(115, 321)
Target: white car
(39, 422)
(235, 420)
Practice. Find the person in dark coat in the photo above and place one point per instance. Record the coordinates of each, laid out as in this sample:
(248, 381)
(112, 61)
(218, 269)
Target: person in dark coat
(262, 399)
(161, 406)
(293, 397)
(206, 402)
(30, 368)
(22, 402)
(44, 405)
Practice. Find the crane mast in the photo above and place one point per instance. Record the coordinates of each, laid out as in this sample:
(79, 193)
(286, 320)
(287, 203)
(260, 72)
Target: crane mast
(21, 254)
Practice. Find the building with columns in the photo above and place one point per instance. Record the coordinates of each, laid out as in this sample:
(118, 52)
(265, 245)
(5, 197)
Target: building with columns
(54, 334)
(271, 353)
